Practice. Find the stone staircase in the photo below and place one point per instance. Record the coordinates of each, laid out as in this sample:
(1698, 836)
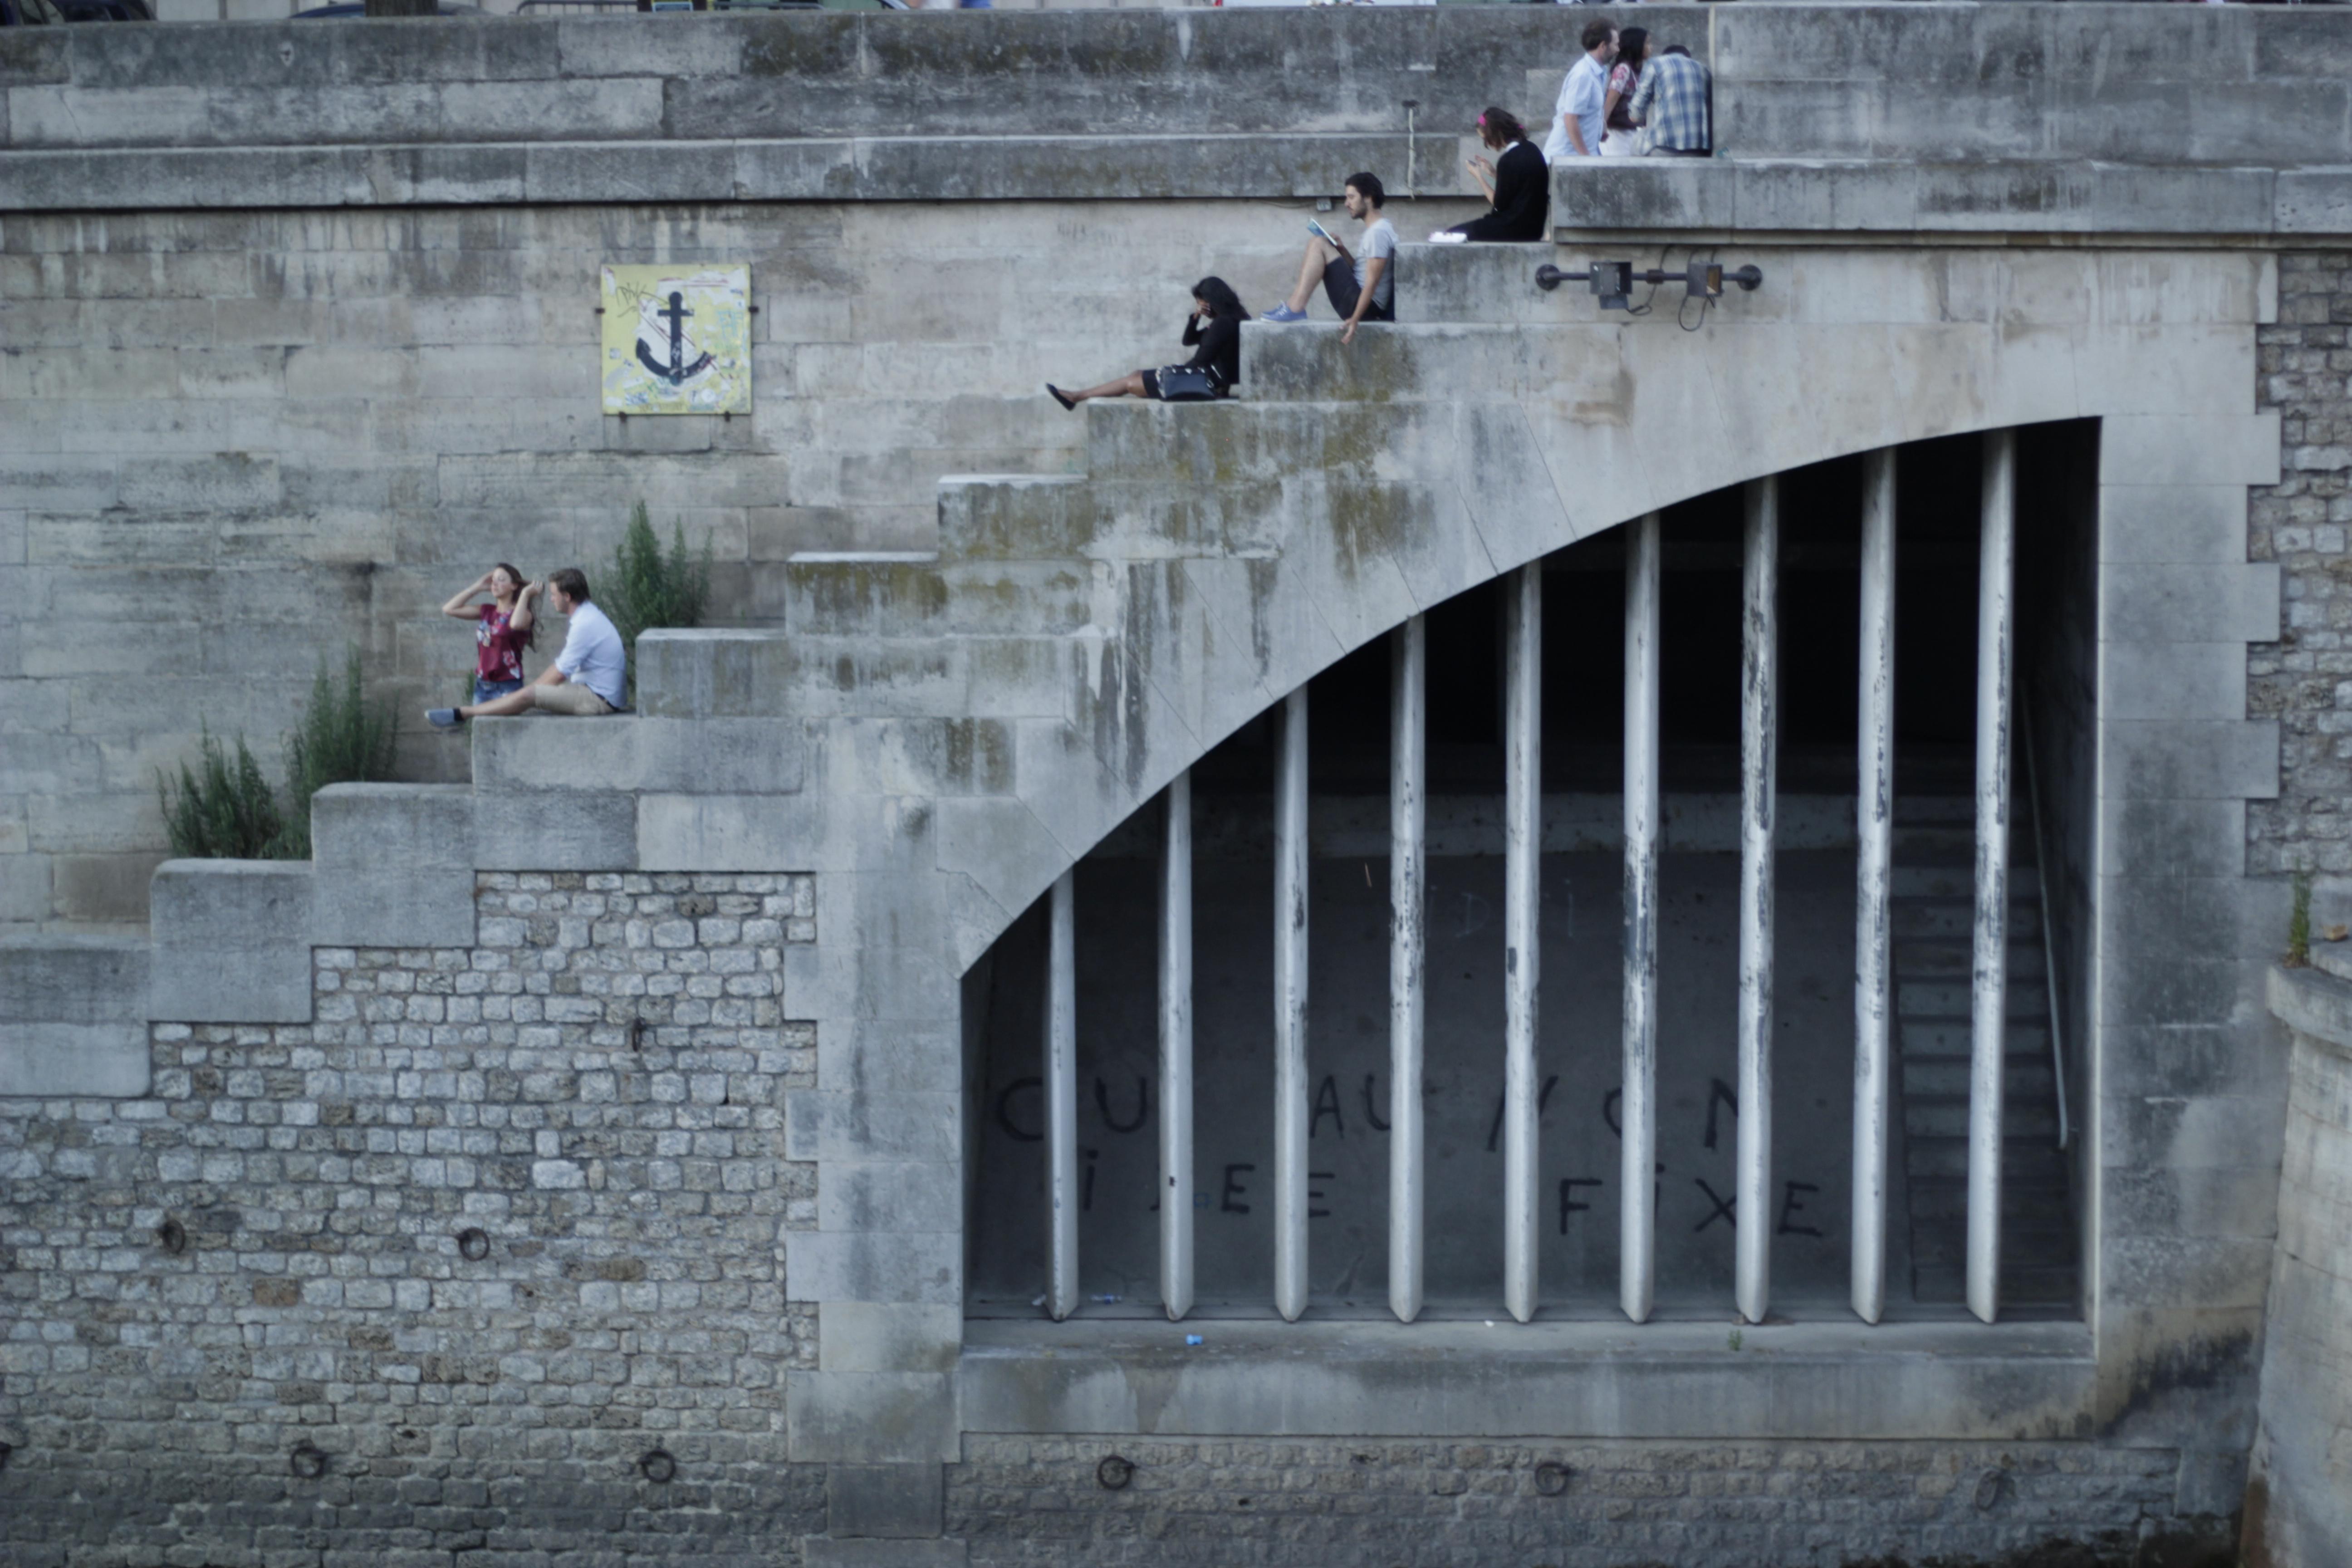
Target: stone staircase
(1934, 911)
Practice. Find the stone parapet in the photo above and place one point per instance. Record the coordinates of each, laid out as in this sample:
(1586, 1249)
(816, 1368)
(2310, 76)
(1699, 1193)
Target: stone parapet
(2008, 118)
(1948, 202)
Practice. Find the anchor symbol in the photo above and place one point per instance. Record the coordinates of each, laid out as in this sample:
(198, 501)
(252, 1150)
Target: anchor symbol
(677, 371)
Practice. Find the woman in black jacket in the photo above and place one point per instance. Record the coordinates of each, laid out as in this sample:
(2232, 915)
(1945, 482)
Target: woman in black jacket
(1518, 183)
(1213, 331)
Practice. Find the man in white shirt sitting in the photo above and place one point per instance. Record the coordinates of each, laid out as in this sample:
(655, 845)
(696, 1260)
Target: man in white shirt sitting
(1577, 119)
(1361, 284)
(589, 677)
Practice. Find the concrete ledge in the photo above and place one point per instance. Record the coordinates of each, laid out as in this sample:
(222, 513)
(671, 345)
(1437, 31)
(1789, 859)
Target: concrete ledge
(1598, 1379)
(712, 673)
(557, 830)
(99, 1060)
(73, 1016)
(395, 865)
(1765, 197)
(232, 941)
(705, 756)
(2313, 1004)
(870, 169)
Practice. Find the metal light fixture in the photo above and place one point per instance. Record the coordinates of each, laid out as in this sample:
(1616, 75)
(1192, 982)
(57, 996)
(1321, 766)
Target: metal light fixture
(1613, 281)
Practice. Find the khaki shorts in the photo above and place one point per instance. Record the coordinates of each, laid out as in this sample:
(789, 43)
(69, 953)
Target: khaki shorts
(571, 697)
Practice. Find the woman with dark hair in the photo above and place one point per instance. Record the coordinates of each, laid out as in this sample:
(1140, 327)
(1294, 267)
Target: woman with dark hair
(1518, 184)
(502, 628)
(1213, 331)
(1622, 139)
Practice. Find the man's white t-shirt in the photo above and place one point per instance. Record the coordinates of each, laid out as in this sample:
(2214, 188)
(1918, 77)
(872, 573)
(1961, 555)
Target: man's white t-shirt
(592, 654)
(1380, 240)
(1583, 93)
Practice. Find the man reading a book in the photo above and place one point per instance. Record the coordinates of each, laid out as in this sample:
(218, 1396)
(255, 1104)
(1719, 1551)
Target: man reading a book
(1360, 285)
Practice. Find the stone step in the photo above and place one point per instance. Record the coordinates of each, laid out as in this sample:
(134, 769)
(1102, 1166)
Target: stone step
(1923, 1036)
(1937, 957)
(1939, 998)
(2023, 1114)
(2024, 1076)
(2021, 1158)
(1956, 916)
(1957, 882)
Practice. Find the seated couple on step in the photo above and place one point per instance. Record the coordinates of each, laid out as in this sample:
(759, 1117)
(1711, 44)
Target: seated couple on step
(589, 677)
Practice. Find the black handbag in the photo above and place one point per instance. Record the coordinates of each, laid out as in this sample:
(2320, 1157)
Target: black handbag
(1185, 383)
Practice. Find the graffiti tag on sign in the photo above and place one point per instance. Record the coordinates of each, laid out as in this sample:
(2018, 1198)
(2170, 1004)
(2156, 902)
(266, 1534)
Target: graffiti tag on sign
(676, 339)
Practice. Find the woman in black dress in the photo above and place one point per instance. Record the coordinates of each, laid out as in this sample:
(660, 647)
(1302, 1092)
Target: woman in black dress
(1213, 331)
(1518, 183)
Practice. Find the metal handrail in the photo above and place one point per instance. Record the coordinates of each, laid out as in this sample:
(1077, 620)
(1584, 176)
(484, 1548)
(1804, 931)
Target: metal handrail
(2049, 942)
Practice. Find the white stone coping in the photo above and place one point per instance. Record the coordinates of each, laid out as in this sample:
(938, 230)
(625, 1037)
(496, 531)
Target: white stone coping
(2314, 1004)
(1548, 1379)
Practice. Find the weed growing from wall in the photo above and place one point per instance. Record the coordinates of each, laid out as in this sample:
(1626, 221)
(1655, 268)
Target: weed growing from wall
(2298, 924)
(648, 588)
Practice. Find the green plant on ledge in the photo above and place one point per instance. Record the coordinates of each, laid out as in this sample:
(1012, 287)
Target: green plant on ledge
(221, 810)
(2298, 924)
(225, 810)
(343, 739)
(648, 588)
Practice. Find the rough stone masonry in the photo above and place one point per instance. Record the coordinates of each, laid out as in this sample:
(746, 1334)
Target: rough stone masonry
(618, 1222)
(497, 1225)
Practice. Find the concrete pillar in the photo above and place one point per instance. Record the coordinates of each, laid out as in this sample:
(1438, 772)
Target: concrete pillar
(1176, 1052)
(1408, 925)
(1062, 1102)
(1638, 1149)
(1290, 1085)
(1873, 948)
(1522, 892)
(1996, 633)
(1759, 753)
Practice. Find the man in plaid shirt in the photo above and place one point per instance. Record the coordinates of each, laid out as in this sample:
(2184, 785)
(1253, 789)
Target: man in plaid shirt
(1670, 106)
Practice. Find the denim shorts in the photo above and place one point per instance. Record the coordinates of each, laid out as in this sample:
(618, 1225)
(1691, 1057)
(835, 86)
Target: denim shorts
(487, 691)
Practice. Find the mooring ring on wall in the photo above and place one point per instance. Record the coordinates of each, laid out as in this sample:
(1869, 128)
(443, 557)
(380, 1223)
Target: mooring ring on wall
(1993, 1489)
(473, 1244)
(307, 1460)
(1115, 1471)
(657, 1465)
(172, 1237)
(1552, 1478)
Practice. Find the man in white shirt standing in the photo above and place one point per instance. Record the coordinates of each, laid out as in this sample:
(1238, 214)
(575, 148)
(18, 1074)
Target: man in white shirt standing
(589, 677)
(1577, 118)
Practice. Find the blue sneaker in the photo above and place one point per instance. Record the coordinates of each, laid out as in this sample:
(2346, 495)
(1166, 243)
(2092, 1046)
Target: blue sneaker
(443, 718)
(1283, 313)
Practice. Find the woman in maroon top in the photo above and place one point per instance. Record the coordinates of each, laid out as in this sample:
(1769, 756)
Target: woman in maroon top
(502, 628)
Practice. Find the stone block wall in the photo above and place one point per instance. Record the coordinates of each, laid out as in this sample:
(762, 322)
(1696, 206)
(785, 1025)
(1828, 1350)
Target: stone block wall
(2303, 522)
(233, 444)
(2299, 1504)
(275, 1247)
(1696, 1504)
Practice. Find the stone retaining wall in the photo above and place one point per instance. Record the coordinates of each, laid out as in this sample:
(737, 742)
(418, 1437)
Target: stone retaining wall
(2303, 524)
(496, 1224)
(1040, 1504)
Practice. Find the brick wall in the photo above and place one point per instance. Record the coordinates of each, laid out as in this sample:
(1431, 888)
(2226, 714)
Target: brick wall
(1213, 1503)
(2304, 680)
(629, 1183)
